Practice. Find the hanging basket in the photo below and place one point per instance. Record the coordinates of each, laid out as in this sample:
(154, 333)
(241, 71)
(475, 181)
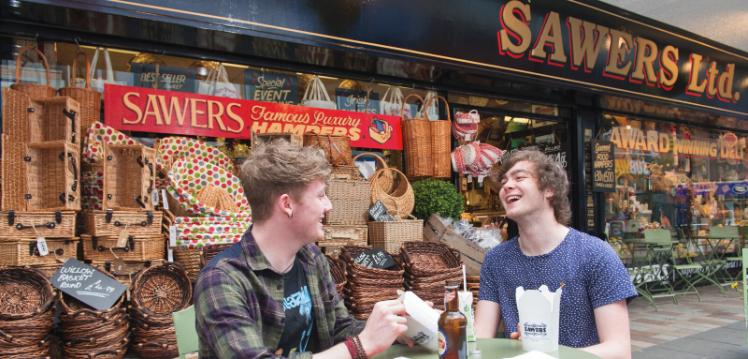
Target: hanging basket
(417, 143)
(88, 98)
(441, 144)
(160, 290)
(35, 91)
(399, 199)
(189, 181)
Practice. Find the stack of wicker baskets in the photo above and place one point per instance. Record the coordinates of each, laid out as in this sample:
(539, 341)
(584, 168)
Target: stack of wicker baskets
(40, 172)
(473, 283)
(157, 292)
(91, 333)
(428, 266)
(367, 286)
(337, 270)
(26, 313)
(391, 187)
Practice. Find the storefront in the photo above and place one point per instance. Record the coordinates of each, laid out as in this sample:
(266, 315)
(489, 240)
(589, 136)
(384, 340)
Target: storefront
(560, 76)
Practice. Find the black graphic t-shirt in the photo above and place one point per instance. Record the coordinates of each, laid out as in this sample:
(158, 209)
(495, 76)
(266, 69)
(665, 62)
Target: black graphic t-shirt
(297, 304)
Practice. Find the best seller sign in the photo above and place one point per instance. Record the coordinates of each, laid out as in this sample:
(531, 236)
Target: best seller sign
(150, 110)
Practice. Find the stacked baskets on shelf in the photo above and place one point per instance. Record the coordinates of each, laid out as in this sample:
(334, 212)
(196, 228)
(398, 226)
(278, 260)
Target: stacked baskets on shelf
(158, 291)
(428, 266)
(206, 205)
(40, 173)
(392, 188)
(26, 313)
(366, 286)
(93, 333)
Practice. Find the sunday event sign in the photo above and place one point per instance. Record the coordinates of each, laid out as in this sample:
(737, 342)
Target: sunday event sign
(150, 110)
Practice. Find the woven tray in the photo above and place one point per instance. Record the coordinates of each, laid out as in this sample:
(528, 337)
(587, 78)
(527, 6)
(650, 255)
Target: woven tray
(24, 293)
(162, 289)
(429, 258)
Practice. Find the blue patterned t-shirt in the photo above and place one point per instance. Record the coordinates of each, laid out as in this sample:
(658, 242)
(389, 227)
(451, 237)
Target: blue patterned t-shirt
(591, 271)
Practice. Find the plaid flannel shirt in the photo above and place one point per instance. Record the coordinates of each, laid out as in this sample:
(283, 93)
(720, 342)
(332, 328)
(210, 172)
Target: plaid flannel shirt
(238, 304)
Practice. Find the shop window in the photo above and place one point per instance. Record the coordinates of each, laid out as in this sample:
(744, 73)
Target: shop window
(667, 175)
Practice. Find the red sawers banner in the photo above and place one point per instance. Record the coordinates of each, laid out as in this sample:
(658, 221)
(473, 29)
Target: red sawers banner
(150, 110)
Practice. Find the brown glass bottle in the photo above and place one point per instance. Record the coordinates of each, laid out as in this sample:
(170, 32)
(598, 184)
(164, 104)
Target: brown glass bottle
(452, 324)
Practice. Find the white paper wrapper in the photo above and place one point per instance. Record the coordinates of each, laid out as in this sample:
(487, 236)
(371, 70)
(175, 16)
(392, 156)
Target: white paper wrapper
(538, 318)
(423, 321)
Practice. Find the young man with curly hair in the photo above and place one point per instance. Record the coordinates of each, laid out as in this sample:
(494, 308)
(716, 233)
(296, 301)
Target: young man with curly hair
(593, 313)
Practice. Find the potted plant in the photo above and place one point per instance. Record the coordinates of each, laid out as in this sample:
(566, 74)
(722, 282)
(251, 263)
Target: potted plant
(436, 196)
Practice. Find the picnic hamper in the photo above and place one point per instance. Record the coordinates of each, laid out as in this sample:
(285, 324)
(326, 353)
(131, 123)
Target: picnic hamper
(390, 235)
(111, 222)
(52, 176)
(129, 176)
(339, 236)
(55, 119)
(130, 248)
(25, 251)
(349, 201)
(58, 224)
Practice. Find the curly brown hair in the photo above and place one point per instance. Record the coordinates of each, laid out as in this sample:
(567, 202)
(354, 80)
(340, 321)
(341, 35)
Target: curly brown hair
(550, 175)
(279, 167)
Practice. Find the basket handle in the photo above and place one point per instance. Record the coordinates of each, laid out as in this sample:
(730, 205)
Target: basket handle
(446, 107)
(73, 168)
(74, 69)
(405, 103)
(377, 157)
(108, 351)
(19, 60)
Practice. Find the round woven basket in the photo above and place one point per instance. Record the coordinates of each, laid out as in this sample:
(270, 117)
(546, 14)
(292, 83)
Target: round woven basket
(160, 290)
(399, 199)
(24, 293)
(386, 179)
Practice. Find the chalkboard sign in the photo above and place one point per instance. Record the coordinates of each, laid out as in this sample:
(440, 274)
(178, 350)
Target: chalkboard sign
(87, 284)
(603, 167)
(374, 258)
(378, 212)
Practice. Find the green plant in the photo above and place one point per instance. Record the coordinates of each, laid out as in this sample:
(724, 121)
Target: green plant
(436, 196)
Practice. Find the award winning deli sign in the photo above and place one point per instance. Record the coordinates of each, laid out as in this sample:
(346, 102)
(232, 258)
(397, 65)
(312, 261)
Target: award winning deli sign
(727, 146)
(150, 110)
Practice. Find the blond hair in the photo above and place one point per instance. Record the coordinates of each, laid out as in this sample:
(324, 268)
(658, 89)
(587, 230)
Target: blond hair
(550, 175)
(279, 167)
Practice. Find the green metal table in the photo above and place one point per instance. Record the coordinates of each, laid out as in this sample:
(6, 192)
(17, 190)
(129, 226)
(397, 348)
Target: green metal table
(489, 348)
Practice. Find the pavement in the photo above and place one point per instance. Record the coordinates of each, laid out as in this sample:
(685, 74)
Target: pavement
(714, 327)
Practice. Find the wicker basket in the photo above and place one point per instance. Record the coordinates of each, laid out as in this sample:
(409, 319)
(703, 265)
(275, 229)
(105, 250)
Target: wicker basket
(386, 179)
(337, 271)
(349, 201)
(430, 259)
(190, 259)
(391, 235)
(111, 223)
(23, 251)
(52, 176)
(128, 177)
(16, 107)
(337, 148)
(59, 224)
(124, 271)
(417, 143)
(399, 199)
(134, 248)
(26, 313)
(24, 293)
(161, 290)
(339, 236)
(211, 251)
(58, 120)
(35, 91)
(88, 99)
(441, 147)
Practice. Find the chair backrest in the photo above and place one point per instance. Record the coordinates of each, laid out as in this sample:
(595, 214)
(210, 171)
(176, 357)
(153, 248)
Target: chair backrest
(724, 232)
(658, 237)
(184, 323)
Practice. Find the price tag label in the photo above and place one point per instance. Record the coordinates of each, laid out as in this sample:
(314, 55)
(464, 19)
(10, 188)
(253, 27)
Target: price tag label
(154, 197)
(172, 236)
(170, 255)
(41, 246)
(164, 200)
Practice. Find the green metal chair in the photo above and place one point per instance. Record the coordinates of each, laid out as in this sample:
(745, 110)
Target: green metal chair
(681, 277)
(725, 237)
(187, 342)
(745, 287)
(652, 277)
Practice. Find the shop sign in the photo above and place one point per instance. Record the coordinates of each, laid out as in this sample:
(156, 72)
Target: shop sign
(87, 284)
(603, 167)
(150, 110)
(582, 43)
(164, 77)
(727, 146)
(271, 86)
